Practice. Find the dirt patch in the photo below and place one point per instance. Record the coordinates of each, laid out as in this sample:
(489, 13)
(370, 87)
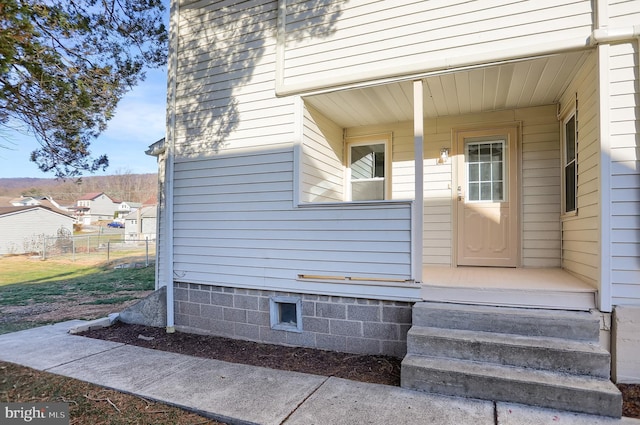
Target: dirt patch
(364, 368)
(62, 308)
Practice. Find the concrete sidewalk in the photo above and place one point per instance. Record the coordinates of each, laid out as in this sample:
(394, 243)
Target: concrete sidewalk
(240, 394)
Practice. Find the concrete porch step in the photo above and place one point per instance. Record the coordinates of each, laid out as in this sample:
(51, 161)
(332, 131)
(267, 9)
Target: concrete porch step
(513, 384)
(573, 325)
(543, 353)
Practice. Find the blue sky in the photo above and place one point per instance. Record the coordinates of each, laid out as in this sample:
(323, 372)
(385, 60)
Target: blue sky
(139, 121)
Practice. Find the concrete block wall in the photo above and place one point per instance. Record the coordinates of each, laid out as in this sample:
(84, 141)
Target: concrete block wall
(625, 345)
(351, 325)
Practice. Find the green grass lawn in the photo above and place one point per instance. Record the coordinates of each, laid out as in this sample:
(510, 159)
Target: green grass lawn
(23, 270)
(45, 280)
(26, 281)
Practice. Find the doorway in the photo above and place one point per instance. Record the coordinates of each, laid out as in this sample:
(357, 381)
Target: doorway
(487, 198)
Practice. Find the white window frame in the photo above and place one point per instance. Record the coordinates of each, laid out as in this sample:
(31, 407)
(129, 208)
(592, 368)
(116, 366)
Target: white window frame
(567, 162)
(274, 313)
(504, 178)
(351, 142)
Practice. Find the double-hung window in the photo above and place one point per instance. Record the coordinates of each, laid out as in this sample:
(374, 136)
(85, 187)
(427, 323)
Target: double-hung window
(368, 170)
(569, 157)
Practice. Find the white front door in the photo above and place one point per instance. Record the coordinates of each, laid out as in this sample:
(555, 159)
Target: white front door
(487, 198)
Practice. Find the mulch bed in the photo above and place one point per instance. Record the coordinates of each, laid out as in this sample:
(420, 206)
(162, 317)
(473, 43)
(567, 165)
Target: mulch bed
(364, 368)
(631, 397)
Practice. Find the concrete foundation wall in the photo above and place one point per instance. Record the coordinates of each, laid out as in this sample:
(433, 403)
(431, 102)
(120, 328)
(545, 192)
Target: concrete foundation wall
(343, 324)
(625, 342)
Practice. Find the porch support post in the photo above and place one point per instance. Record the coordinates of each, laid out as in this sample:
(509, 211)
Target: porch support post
(418, 205)
(604, 291)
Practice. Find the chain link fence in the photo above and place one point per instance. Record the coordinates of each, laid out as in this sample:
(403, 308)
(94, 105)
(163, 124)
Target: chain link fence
(97, 248)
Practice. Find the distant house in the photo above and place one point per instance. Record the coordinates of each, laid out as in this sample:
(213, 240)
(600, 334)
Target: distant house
(93, 207)
(24, 201)
(141, 224)
(22, 228)
(46, 201)
(127, 207)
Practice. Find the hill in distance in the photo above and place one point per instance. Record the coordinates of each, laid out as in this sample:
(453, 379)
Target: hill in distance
(123, 186)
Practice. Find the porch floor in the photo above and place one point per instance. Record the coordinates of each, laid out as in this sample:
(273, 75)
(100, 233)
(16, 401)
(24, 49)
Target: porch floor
(510, 287)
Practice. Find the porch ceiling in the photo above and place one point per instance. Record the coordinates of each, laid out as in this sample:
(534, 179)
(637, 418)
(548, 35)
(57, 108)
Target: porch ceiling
(518, 84)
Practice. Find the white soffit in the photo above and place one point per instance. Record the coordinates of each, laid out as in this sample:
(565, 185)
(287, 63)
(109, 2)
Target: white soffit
(520, 84)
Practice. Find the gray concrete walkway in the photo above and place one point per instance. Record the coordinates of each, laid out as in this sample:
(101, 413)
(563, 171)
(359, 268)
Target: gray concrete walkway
(240, 394)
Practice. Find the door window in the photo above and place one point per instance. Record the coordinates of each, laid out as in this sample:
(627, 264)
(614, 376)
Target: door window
(485, 171)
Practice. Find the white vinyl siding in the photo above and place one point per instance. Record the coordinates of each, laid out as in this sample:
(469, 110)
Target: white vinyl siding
(235, 225)
(234, 219)
(234, 216)
(387, 38)
(540, 184)
(623, 13)
(580, 247)
(625, 174)
(225, 96)
(438, 183)
(322, 177)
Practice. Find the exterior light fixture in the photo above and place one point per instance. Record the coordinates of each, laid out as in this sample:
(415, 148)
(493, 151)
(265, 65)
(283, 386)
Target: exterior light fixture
(444, 156)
